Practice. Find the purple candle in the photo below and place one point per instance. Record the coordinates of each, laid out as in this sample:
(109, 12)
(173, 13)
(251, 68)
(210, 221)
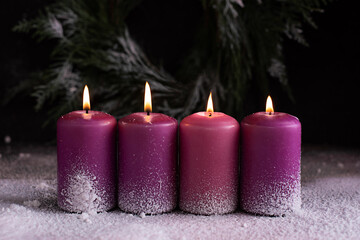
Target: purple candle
(147, 161)
(270, 163)
(209, 146)
(86, 157)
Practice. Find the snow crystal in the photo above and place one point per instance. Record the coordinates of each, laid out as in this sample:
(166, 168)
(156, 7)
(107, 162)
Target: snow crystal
(7, 139)
(85, 217)
(340, 165)
(24, 155)
(32, 203)
(42, 185)
(16, 208)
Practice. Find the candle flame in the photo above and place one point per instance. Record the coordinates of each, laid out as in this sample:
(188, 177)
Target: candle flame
(210, 106)
(269, 105)
(147, 99)
(86, 98)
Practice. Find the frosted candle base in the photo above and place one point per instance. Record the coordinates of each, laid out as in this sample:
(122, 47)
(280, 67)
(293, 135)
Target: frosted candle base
(147, 197)
(273, 199)
(211, 202)
(81, 192)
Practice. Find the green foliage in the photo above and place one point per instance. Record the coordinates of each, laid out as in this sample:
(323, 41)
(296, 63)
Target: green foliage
(238, 44)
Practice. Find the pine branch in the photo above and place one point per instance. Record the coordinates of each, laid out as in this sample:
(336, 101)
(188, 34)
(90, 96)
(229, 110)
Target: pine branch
(239, 44)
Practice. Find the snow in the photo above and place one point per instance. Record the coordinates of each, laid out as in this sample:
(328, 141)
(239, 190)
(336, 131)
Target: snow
(7, 139)
(82, 194)
(28, 208)
(32, 203)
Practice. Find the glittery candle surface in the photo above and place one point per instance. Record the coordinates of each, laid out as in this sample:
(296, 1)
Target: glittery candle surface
(209, 149)
(270, 163)
(147, 163)
(86, 160)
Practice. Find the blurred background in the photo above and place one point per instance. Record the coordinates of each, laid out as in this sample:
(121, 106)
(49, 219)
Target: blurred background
(323, 76)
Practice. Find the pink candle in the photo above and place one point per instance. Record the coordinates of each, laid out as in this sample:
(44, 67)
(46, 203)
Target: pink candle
(86, 157)
(209, 162)
(147, 161)
(270, 163)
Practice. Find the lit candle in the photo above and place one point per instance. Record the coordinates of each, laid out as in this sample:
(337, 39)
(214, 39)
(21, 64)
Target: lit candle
(86, 157)
(209, 146)
(270, 162)
(147, 161)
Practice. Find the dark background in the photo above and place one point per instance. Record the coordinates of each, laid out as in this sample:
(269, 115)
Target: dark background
(323, 77)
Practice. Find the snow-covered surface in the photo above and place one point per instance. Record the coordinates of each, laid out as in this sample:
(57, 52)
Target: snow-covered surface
(28, 210)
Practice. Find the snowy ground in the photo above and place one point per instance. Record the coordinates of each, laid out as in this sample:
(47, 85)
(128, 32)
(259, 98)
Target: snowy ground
(330, 210)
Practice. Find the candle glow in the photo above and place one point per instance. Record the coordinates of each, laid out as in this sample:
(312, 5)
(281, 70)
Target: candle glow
(210, 106)
(147, 99)
(269, 105)
(86, 98)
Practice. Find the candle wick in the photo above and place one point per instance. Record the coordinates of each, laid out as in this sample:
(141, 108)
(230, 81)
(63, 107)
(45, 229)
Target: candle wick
(148, 113)
(210, 114)
(87, 111)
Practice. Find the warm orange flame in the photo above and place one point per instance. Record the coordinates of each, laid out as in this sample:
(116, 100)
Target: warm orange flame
(147, 99)
(86, 98)
(269, 105)
(210, 106)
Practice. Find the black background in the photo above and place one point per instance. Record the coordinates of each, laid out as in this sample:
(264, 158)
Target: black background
(324, 77)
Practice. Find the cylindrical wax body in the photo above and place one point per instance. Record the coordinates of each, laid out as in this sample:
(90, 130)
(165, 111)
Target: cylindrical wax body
(147, 163)
(86, 157)
(209, 148)
(270, 163)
